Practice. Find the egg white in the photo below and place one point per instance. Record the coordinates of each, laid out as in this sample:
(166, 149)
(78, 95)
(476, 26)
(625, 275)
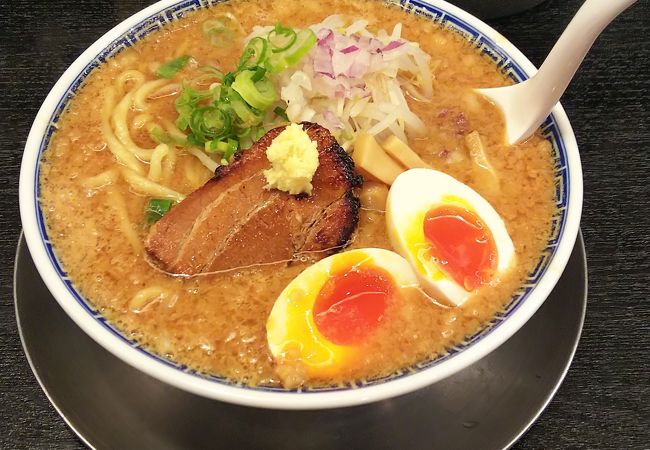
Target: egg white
(290, 322)
(412, 195)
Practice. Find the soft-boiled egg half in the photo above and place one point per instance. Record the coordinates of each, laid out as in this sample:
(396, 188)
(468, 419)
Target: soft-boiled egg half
(453, 238)
(326, 314)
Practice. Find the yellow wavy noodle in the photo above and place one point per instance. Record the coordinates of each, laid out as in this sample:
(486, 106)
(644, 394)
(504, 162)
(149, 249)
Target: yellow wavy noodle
(100, 180)
(121, 127)
(141, 120)
(116, 201)
(121, 153)
(162, 163)
(147, 296)
(145, 186)
(131, 76)
(167, 90)
(140, 95)
(169, 166)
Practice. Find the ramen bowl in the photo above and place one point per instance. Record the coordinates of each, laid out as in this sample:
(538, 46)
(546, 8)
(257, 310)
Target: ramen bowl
(520, 307)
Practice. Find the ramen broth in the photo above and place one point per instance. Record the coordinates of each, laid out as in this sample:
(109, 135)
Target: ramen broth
(216, 323)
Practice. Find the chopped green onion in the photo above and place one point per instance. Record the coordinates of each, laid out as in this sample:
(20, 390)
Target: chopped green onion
(229, 115)
(281, 38)
(218, 92)
(229, 78)
(215, 146)
(221, 31)
(157, 208)
(254, 53)
(171, 68)
(209, 76)
(276, 63)
(259, 95)
(209, 122)
(281, 112)
(259, 73)
(185, 104)
(247, 116)
(231, 149)
(305, 40)
(227, 148)
(212, 71)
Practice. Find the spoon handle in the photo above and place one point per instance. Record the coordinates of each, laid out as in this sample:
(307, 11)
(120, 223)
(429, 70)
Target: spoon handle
(568, 52)
(526, 105)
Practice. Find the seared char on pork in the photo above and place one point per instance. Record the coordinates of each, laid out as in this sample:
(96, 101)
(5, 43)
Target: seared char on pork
(234, 221)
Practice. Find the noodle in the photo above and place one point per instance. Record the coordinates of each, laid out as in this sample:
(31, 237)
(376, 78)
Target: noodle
(140, 95)
(133, 75)
(145, 297)
(122, 128)
(145, 186)
(116, 201)
(125, 157)
(163, 151)
(103, 179)
(141, 120)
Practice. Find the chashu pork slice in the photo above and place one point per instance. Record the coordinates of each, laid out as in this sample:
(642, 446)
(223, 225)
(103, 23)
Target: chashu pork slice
(234, 221)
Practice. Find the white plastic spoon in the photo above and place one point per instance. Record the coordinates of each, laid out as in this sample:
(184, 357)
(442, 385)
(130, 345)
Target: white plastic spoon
(526, 105)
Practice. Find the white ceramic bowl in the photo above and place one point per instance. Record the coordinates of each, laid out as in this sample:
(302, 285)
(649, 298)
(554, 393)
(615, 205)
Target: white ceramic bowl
(568, 180)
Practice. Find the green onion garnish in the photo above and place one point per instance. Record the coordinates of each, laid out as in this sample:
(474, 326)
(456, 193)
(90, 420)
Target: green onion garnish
(228, 116)
(259, 95)
(210, 122)
(281, 38)
(171, 68)
(157, 208)
(253, 54)
(259, 73)
(231, 149)
(221, 32)
(305, 40)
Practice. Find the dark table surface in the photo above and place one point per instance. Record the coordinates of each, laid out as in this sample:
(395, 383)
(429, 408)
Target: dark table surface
(605, 399)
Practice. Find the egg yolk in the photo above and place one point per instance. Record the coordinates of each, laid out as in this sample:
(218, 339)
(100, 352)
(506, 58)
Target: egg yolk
(462, 245)
(351, 304)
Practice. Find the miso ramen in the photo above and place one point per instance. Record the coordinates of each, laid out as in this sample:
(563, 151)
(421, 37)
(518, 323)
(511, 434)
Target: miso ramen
(121, 149)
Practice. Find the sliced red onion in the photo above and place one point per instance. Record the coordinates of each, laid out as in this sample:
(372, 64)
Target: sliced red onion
(325, 37)
(341, 63)
(363, 41)
(323, 62)
(392, 45)
(350, 49)
(374, 45)
(331, 121)
(356, 74)
(359, 66)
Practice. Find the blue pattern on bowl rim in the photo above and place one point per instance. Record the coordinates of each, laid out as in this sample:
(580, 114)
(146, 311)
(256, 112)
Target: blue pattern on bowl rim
(483, 44)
